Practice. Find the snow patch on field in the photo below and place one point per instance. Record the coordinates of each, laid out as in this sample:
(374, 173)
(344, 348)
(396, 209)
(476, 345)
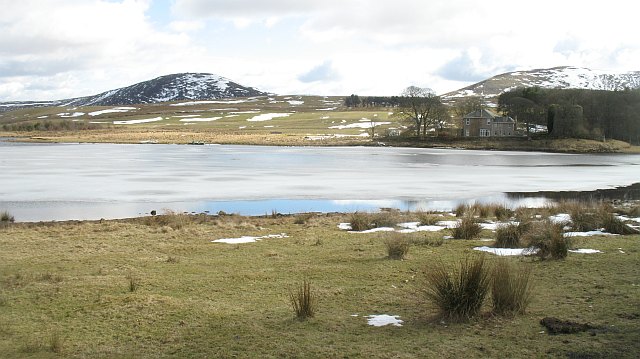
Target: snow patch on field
(588, 234)
(193, 103)
(295, 103)
(507, 251)
(585, 251)
(133, 122)
(267, 117)
(112, 110)
(70, 115)
(360, 125)
(204, 119)
(384, 319)
(249, 239)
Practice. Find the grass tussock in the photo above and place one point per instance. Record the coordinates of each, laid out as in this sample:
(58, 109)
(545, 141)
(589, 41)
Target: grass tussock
(132, 283)
(302, 218)
(55, 343)
(511, 288)
(303, 301)
(461, 210)
(6, 219)
(362, 221)
(397, 245)
(508, 236)
(467, 228)
(548, 238)
(458, 295)
(169, 219)
(5, 216)
(428, 219)
(614, 225)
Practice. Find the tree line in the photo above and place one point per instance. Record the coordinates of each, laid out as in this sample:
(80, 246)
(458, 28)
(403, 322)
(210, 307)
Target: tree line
(577, 113)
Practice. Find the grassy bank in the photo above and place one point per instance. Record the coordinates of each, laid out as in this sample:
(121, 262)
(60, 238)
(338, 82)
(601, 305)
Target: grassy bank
(158, 287)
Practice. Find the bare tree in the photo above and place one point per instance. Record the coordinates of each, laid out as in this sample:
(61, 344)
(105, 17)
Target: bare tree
(417, 105)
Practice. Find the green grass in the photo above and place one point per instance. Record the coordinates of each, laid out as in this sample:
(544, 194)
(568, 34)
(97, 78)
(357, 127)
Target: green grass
(223, 300)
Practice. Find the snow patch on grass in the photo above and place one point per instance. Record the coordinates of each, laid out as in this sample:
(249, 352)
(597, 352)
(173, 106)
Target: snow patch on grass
(267, 117)
(248, 239)
(384, 319)
(133, 122)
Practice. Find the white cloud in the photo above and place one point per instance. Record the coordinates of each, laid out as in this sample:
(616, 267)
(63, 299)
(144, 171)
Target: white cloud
(63, 48)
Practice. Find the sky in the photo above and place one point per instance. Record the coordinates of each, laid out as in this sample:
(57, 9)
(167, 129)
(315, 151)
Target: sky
(57, 49)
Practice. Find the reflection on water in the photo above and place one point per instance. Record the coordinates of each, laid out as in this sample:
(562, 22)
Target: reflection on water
(59, 211)
(93, 181)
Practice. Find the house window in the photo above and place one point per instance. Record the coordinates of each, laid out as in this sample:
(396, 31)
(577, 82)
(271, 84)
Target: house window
(466, 133)
(488, 121)
(484, 132)
(468, 121)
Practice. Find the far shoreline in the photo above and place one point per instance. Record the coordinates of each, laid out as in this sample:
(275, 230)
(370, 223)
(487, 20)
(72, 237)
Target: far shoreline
(116, 136)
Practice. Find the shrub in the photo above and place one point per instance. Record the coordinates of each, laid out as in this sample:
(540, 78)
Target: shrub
(548, 238)
(508, 236)
(303, 301)
(467, 228)
(397, 246)
(458, 295)
(510, 288)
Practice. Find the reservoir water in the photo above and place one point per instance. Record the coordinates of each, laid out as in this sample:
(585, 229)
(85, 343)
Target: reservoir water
(93, 181)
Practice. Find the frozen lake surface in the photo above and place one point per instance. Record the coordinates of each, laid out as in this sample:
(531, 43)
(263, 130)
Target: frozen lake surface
(92, 181)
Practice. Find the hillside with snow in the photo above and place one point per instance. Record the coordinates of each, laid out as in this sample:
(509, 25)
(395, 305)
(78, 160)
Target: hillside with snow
(558, 77)
(177, 87)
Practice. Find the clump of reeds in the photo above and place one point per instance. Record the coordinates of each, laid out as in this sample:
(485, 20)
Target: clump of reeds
(397, 245)
(508, 235)
(511, 288)
(360, 221)
(427, 219)
(303, 301)
(466, 228)
(302, 218)
(6, 219)
(548, 238)
(459, 295)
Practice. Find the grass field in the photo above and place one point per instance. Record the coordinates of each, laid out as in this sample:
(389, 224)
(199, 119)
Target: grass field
(158, 287)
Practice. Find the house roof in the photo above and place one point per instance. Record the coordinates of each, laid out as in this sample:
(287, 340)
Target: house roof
(481, 114)
(486, 114)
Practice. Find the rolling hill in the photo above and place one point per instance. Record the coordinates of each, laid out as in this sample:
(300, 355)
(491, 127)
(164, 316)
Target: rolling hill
(176, 87)
(558, 77)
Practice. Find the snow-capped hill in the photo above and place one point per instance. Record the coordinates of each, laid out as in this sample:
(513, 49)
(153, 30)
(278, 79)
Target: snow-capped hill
(558, 77)
(177, 87)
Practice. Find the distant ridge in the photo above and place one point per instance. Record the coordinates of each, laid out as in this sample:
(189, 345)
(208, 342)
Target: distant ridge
(557, 77)
(176, 87)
